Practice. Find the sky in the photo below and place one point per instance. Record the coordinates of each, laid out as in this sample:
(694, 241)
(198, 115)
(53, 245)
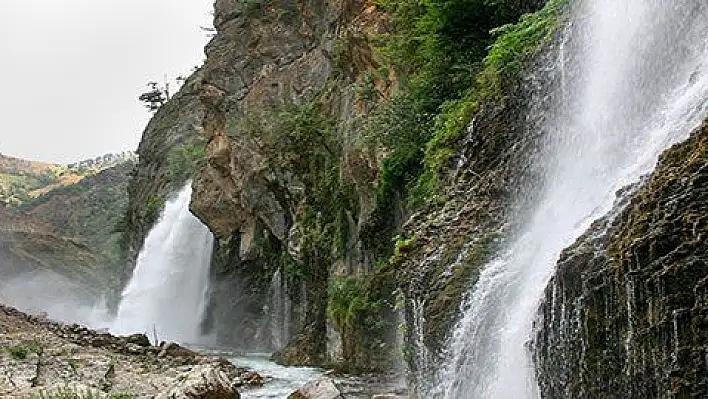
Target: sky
(71, 71)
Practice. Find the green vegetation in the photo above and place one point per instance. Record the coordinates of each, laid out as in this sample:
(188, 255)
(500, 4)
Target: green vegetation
(16, 189)
(22, 181)
(348, 302)
(452, 57)
(153, 208)
(184, 160)
(301, 140)
(401, 248)
(90, 212)
(18, 352)
(356, 312)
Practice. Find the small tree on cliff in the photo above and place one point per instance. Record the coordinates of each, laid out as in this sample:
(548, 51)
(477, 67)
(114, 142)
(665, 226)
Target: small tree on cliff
(156, 97)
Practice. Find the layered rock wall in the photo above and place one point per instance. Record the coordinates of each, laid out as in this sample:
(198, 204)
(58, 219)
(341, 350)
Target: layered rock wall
(625, 314)
(285, 183)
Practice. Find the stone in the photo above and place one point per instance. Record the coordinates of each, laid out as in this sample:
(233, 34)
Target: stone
(202, 382)
(71, 390)
(138, 339)
(322, 388)
(624, 311)
(63, 361)
(175, 350)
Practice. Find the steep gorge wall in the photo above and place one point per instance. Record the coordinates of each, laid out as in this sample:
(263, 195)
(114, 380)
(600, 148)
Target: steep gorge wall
(176, 123)
(283, 177)
(625, 314)
(281, 119)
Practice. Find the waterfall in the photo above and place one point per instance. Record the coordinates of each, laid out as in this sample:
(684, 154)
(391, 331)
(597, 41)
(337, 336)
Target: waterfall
(280, 311)
(640, 84)
(166, 295)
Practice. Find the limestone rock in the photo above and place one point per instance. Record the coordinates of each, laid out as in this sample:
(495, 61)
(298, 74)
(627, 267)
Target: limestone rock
(176, 350)
(323, 388)
(201, 382)
(626, 311)
(68, 391)
(41, 357)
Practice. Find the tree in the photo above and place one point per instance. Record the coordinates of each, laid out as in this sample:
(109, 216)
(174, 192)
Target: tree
(156, 97)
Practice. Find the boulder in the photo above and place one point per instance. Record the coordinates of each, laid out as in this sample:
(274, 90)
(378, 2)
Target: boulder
(201, 382)
(175, 350)
(138, 339)
(323, 388)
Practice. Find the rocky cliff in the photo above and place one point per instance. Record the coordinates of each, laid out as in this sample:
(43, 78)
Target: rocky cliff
(43, 271)
(287, 184)
(29, 244)
(284, 180)
(90, 212)
(625, 314)
(301, 181)
(304, 203)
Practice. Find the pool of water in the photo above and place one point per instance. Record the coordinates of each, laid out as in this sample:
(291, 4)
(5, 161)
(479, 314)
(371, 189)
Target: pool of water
(281, 381)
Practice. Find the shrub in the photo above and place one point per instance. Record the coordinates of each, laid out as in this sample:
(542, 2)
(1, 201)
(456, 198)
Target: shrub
(348, 302)
(184, 161)
(18, 352)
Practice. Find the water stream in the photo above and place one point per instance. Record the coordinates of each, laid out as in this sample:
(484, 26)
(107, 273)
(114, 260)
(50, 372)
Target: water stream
(166, 296)
(640, 84)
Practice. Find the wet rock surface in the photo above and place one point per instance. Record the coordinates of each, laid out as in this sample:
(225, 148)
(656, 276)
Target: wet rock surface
(323, 388)
(39, 356)
(627, 313)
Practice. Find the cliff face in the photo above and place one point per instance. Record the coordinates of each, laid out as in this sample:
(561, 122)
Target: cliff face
(626, 311)
(30, 244)
(165, 142)
(283, 176)
(40, 270)
(61, 248)
(90, 211)
(287, 181)
(284, 166)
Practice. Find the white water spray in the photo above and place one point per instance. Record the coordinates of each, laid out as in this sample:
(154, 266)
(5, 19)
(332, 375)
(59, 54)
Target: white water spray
(643, 85)
(280, 311)
(167, 294)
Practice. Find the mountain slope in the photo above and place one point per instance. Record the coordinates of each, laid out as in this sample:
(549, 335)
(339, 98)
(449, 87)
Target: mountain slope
(22, 180)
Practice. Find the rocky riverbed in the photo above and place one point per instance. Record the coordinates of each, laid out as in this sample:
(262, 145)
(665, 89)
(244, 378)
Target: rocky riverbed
(45, 359)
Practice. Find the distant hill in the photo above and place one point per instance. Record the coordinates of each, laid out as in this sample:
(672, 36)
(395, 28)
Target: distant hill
(89, 211)
(29, 245)
(62, 220)
(22, 180)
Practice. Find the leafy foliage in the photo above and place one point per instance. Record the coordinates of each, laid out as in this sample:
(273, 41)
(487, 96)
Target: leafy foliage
(153, 208)
(349, 303)
(184, 160)
(18, 352)
(440, 51)
(302, 140)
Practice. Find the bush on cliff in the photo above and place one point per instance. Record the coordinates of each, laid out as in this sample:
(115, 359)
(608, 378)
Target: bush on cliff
(447, 69)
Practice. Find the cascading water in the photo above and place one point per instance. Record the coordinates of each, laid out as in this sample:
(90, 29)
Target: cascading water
(167, 294)
(280, 311)
(640, 85)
